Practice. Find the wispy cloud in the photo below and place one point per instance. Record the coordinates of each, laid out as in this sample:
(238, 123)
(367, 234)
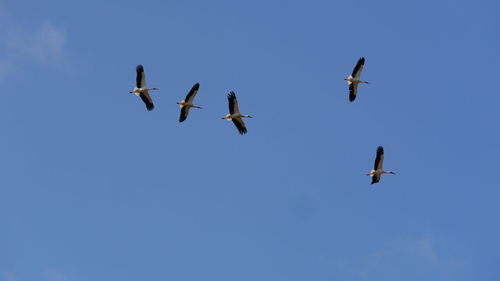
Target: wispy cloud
(415, 256)
(5, 68)
(43, 45)
(9, 276)
(47, 43)
(2, 8)
(421, 249)
(47, 275)
(55, 275)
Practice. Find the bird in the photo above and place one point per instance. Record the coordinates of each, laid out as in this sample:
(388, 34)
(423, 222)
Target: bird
(141, 89)
(187, 103)
(353, 79)
(235, 115)
(378, 170)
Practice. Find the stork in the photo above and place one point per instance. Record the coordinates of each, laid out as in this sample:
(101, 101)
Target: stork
(141, 89)
(353, 79)
(187, 103)
(378, 169)
(235, 115)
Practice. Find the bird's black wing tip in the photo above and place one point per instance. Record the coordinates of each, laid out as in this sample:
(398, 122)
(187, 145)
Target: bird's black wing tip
(195, 87)
(148, 102)
(139, 67)
(380, 149)
(352, 96)
(183, 116)
(150, 106)
(231, 95)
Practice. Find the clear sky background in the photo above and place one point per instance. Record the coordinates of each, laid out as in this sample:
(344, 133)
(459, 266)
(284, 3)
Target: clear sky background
(95, 188)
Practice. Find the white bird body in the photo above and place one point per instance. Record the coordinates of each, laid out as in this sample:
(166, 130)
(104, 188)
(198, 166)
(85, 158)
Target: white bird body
(378, 170)
(235, 115)
(183, 103)
(187, 102)
(230, 117)
(354, 79)
(137, 91)
(141, 90)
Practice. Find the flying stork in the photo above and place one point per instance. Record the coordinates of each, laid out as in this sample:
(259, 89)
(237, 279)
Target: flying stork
(378, 170)
(187, 103)
(234, 114)
(141, 89)
(353, 79)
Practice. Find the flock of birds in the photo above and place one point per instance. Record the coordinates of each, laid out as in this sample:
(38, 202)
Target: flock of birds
(142, 91)
(234, 115)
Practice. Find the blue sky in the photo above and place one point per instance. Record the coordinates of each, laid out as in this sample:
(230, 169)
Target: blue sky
(94, 187)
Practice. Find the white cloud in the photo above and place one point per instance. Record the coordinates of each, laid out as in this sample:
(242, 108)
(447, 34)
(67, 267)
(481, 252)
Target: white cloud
(415, 256)
(54, 275)
(47, 275)
(43, 45)
(47, 43)
(9, 276)
(2, 8)
(5, 68)
(421, 249)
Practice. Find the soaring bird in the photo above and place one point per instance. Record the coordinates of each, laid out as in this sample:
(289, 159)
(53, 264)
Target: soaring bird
(234, 114)
(187, 103)
(141, 89)
(378, 170)
(353, 80)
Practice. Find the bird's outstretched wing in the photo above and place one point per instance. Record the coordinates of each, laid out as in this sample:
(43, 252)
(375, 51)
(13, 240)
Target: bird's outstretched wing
(233, 103)
(240, 125)
(147, 100)
(379, 160)
(184, 113)
(140, 80)
(356, 73)
(192, 93)
(375, 178)
(353, 91)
